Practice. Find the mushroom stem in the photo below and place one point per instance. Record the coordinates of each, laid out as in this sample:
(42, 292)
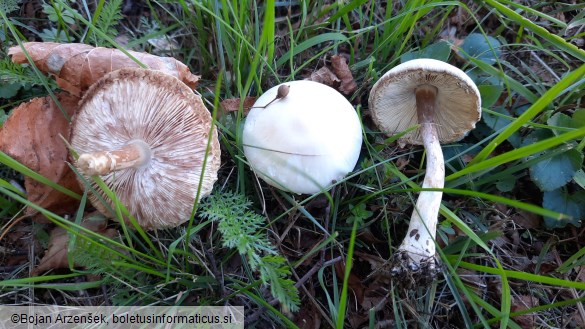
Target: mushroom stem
(419, 244)
(134, 154)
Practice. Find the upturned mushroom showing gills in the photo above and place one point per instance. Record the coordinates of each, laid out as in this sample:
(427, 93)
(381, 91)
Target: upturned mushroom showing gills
(146, 134)
(303, 137)
(446, 104)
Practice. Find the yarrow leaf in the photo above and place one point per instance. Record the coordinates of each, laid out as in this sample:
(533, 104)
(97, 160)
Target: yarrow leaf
(242, 229)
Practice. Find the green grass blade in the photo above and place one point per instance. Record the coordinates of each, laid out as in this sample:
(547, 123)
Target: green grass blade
(540, 31)
(492, 310)
(348, 264)
(516, 154)
(267, 39)
(335, 37)
(526, 276)
(536, 108)
(10, 162)
(345, 9)
(511, 202)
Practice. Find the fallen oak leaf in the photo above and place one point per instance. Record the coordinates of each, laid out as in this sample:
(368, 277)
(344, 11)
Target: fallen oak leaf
(233, 105)
(31, 136)
(325, 76)
(341, 70)
(308, 317)
(523, 303)
(77, 66)
(56, 256)
(354, 282)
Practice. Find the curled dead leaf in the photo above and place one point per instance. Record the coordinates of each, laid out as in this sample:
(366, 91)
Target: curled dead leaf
(77, 66)
(308, 317)
(31, 135)
(233, 105)
(354, 282)
(325, 76)
(56, 255)
(522, 303)
(341, 70)
(527, 219)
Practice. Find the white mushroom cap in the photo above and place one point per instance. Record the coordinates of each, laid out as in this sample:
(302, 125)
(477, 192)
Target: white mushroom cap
(165, 125)
(393, 103)
(305, 141)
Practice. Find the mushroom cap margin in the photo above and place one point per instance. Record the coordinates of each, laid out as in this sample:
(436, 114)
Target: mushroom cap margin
(392, 100)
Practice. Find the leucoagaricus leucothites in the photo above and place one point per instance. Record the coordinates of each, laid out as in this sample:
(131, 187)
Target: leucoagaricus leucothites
(303, 138)
(147, 135)
(446, 104)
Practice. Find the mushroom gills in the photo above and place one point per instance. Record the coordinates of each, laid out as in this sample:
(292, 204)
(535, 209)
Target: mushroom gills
(135, 154)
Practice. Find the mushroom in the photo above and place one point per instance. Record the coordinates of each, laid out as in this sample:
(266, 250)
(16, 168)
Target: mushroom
(304, 141)
(446, 104)
(147, 135)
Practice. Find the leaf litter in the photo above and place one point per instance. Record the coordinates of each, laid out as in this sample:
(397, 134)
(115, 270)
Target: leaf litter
(57, 254)
(32, 136)
(36, 133)
(77, 66)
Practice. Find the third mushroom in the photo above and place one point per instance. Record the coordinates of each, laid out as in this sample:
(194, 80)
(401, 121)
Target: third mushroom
(302, 137)
(446, 104)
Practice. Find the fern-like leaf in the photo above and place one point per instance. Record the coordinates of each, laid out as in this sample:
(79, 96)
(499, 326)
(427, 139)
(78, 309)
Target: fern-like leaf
(275, 270)
(242, 229)
(14, 73)
(99, 258)
(109, 18)
(8, 6)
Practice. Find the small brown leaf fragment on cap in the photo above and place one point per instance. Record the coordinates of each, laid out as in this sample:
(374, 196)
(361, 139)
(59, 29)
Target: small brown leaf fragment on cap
(56, 255)
(340, 68)
(233, 105)
(325, 76)
(32, 136)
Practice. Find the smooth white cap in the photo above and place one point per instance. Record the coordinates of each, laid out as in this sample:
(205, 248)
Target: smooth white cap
(392, 100)
(305, 141)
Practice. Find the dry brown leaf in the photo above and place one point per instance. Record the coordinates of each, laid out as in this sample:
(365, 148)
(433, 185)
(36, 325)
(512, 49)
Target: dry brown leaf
(31, 135)
(77, 66)
(577, 320)
(341, 70)
(233, 105)
(521, 303)
(308, 317)
(402, 162)
(56, 255)
(354, 282)
(527, 219)
(325, 76)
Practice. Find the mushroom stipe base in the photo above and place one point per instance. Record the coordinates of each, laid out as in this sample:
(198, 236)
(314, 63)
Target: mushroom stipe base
(413, 273)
